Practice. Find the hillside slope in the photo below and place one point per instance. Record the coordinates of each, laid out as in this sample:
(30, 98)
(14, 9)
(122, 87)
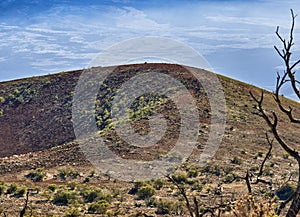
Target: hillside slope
(37, 112)
(36, 131)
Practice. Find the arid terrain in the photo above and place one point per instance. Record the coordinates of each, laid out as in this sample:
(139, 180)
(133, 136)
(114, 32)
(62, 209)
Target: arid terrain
(39, 153)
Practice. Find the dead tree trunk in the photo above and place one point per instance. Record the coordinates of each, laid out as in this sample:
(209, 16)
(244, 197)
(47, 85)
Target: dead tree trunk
(295, 206)
(287, 77)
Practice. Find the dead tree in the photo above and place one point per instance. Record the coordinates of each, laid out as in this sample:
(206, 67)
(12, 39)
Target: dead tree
(192, 204)
(23, 211)
(288, 77)
(258, 179)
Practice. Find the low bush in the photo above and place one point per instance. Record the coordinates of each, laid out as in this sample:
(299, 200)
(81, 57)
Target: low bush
(67, 172)
(93, 194)
(99, 207)
(145, 192)
(236, 160)
(158, 184)
(192, 173)
(136, 187)
(228, 178)
(72, 185)
(180, 178)
(197, 186)
(72, 212)
(254, 207)
(2, 189)
(165, 207)
(20, 192)
(12, 188)
(212, 169)
(37, 176)
(64, 198)
(52, 187)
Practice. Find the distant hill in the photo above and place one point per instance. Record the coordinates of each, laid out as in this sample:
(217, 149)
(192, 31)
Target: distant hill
(36, 112)
(37, 141)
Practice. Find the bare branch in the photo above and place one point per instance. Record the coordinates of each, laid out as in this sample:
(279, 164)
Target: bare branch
(295, 64)
(183, 193)
(248, 183)
(22, 213)
(286, 55)
(284, 203)
(197, 213)
(273, 126)
(288, 76)
(270, 142)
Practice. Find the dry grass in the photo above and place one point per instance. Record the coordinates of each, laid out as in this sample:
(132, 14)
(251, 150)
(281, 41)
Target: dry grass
(251, 206)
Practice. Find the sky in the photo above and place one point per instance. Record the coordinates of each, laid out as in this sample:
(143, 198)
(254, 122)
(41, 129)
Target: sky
(236, 37)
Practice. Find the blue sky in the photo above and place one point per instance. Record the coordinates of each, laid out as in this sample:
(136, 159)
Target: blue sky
(236, 37)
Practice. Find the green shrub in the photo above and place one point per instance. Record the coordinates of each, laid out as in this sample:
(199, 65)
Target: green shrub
(260, 154)
(158, 184)
(20, 192)
(165, 207)
(72, 212)
(268, 171)
(72, 185)
(212, 169)
(145, 192)
(228, 178)
(52, 187)
(67, 172)
(180, 178)
(2, 189)
(94, 194)
(136, 187)
(192, 173)
(1, 99)
(12, 189)
(64, 198)
(151, 201)
(286, 156)
(197, 186)
(236, 160)
(254, 168)
(99, 207)
(37, 176)
(92, 174)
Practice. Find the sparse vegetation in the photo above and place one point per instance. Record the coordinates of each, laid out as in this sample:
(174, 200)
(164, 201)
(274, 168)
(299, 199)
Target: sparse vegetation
(12, 188)
(145, 191)
(99, 207)
(72, 212)
(67, 172)
(37, 176)
(165, 207)
(64, 198)
(236, 160)
(287, 77)
(52, 187)
(78, 190)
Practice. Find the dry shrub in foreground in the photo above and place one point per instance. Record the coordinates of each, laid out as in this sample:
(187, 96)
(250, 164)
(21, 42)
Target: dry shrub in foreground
(251, 206)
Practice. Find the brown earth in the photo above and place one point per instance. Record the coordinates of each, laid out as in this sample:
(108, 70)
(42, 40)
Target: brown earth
(36, 131)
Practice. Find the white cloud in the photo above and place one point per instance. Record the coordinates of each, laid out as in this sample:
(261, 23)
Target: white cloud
(134, 19)
(261, 21)
(74, 34)
(3, 59)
